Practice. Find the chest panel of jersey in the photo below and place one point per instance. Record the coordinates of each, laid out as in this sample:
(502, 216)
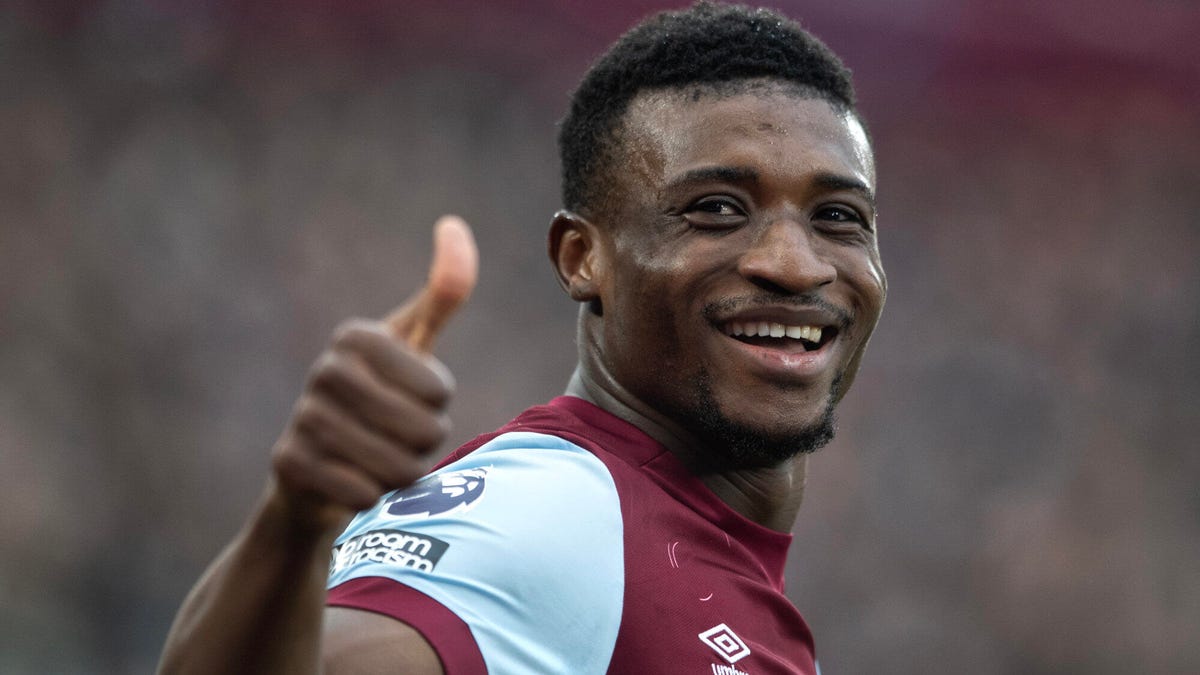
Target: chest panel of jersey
(699, 588)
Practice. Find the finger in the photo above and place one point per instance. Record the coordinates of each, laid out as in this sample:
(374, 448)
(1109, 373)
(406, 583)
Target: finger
(394, 364)
(452, 276)
(303, 469)
(344, 485)
(395, 414)
(340, 435)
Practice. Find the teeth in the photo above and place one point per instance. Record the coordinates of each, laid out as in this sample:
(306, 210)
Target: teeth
(775, 330)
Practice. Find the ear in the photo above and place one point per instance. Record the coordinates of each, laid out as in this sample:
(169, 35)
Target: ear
(577, 256)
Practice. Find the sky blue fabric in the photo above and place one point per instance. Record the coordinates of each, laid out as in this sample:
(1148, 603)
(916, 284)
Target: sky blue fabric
(497, 537)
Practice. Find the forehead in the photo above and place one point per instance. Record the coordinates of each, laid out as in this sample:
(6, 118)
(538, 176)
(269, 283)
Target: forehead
(775, 130)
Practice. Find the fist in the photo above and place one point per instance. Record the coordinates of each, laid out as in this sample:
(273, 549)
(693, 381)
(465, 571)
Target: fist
(374, 406)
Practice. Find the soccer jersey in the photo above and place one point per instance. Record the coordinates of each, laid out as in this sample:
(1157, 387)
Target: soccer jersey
(569, 541)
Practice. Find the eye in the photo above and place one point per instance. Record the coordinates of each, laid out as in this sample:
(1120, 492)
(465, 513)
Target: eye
(842, 215)
(715, 213)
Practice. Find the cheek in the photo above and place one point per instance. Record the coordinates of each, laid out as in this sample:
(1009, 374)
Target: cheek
(646, 277)
(866, 277)
(875, 290)
(646, 324)
(880, 279)
(657, 287)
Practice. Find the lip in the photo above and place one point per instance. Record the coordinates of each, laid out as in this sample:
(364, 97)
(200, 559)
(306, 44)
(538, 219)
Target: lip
(782, 365)
(792, 316)
(789, 367)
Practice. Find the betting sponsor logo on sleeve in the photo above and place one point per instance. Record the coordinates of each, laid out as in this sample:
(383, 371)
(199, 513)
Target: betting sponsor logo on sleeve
(399, 548)
(439, 494)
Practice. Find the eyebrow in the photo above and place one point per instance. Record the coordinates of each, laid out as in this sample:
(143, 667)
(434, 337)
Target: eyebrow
(739, 174)
(834, 182)
(727, 174)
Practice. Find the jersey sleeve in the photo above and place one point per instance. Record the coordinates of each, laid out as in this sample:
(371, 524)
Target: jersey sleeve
(518, 545)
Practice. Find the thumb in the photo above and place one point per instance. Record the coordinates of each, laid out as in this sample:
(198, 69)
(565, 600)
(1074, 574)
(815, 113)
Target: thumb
(452, 276)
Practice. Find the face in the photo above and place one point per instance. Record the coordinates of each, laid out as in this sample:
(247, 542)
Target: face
(740, 277)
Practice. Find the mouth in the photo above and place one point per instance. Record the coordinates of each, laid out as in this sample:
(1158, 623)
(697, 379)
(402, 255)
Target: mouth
(785, 337)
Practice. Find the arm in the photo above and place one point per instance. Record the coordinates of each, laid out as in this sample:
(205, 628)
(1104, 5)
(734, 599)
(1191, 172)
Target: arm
(363, 642)
(371, 412)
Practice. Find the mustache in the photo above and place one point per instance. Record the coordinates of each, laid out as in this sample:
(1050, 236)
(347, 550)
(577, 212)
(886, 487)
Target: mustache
(726, 306)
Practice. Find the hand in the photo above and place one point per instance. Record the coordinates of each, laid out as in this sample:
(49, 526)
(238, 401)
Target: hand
(373, 408)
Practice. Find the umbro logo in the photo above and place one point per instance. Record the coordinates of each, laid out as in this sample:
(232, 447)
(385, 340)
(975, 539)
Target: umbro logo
(725, 642)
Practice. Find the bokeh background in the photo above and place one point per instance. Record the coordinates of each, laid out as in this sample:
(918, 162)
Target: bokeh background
(193, 194)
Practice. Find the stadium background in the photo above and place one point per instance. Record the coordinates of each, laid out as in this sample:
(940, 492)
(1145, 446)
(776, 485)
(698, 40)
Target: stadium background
(192, 194)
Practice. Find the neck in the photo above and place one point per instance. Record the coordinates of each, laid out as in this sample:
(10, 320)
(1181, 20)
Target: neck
(769, 496)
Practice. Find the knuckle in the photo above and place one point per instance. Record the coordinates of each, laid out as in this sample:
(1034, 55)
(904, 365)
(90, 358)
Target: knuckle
(348, 332)
(330, 370)
(430, 431)
(358, 335)
(445, 426)
(433, 393)
(290, 467)
(444, 391)
(322, 367)
(316, 422)
(309, 414)
(441, 382)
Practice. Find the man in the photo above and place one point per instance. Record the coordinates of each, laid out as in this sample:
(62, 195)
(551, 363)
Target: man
(719, 233)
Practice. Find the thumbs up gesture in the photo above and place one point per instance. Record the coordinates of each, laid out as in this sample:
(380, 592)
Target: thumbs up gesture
(373, 408)
(451, 278)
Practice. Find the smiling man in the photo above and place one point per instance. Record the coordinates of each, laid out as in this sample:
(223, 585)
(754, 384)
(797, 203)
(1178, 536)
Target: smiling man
(719, 233)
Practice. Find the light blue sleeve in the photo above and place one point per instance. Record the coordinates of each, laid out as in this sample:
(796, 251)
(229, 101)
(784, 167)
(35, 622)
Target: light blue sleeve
(522, 539)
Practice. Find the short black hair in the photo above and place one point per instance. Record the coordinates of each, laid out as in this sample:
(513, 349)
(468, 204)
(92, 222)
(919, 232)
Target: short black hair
(706, 44)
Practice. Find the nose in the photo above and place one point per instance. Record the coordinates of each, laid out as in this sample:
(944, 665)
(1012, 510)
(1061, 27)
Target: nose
(785, 259)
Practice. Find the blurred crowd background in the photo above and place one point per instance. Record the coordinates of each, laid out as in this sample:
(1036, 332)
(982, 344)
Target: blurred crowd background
(193, 194)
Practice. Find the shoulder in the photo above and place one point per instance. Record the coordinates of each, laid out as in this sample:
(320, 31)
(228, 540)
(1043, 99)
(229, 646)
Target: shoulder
(501, 482)
(501, 538)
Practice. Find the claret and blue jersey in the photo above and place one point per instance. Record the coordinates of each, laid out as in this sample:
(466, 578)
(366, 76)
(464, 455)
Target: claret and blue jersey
(570, 542)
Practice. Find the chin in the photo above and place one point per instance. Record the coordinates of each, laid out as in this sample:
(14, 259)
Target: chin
(756, 447)
(738, 442)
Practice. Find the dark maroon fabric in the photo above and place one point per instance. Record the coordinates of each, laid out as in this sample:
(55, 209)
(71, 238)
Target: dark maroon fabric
(693, 566)
(691, 562)
(449, 635)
